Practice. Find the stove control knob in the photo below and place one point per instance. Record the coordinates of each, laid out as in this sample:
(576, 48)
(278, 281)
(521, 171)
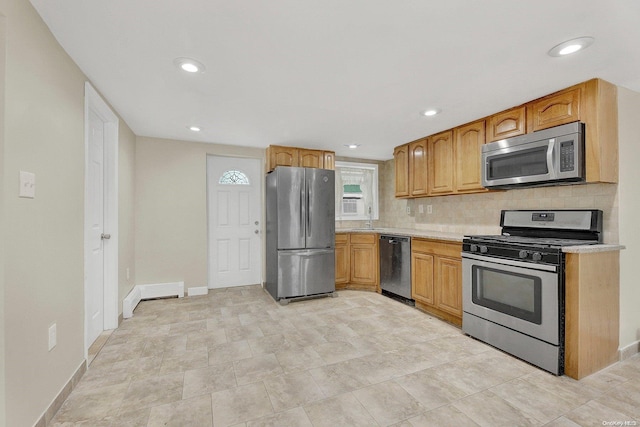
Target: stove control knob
(484, 249)
(473, 248)
(536, 256)
(523, 254)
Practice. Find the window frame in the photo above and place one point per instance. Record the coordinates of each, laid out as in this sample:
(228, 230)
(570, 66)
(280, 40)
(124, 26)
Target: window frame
(375, 214)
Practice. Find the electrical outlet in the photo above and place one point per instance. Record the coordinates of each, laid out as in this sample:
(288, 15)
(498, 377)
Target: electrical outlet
(27, 185)
(420, 209)
(429, 209)
(128, 273)
(52, 336)
(409, 210)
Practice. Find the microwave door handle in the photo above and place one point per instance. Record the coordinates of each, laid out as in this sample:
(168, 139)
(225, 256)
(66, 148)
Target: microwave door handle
(550, 158)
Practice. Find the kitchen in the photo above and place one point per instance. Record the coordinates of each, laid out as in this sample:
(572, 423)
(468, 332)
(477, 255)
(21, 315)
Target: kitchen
(157, 168)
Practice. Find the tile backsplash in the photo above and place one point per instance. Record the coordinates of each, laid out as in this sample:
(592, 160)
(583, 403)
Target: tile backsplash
(480, 213)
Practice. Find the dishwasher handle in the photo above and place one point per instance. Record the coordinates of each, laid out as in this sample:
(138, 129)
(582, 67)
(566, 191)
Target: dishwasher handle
(394, 240)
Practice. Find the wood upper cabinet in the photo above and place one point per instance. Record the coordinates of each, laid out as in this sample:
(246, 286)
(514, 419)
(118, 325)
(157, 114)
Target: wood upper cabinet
(329, 161)
(436, 278)
(468, 149)
(507, 124)
(441, 163)
(278, 155)
(310, 158)
(553, 110)
(401, 161)
(418, 168)
(281, 156)
(343, 265)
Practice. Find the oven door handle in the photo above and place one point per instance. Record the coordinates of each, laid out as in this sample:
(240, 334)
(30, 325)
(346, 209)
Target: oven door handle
(529, 265)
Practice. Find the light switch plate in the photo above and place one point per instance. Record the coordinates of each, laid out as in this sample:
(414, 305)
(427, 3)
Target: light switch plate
(27, 185)
(53, 338)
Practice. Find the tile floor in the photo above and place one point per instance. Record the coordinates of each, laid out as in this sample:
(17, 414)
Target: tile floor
(236, 358)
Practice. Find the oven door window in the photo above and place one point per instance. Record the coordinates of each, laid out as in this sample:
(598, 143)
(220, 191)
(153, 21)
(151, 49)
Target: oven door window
(514, 294)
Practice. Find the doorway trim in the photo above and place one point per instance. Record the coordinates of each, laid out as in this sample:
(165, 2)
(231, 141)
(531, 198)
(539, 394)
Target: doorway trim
(94, 102)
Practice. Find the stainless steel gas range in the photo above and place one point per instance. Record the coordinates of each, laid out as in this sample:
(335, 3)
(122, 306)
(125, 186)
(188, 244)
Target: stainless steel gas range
(513, 283)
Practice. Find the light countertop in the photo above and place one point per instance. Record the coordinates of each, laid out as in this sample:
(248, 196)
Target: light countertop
(457, 237)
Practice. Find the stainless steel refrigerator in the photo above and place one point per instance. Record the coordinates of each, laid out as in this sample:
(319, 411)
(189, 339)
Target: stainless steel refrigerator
(300, 232)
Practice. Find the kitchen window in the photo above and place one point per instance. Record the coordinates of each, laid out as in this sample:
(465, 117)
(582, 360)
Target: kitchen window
(356, 191)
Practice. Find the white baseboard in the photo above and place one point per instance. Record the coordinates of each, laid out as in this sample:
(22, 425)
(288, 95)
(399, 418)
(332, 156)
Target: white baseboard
(629, 350)
(200, 290)
(142, 292)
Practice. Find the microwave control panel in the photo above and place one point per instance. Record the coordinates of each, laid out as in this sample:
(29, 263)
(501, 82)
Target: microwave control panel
(567, 156)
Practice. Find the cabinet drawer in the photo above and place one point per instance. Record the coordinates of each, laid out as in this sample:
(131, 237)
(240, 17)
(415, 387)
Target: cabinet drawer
(342, 238)
(364, 238)
(436, 247)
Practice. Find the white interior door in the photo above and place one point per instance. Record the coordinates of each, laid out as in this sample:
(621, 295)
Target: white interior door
(100, 216)
(95, 229)
(234, 200)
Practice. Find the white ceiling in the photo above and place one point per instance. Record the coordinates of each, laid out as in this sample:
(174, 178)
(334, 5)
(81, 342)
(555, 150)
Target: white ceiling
(325, 73)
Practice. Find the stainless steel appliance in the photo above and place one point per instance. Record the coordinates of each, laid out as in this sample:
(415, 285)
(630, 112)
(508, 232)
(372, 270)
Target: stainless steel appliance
(513, 284)
(395, 266)
(300, 232)
(547, 157)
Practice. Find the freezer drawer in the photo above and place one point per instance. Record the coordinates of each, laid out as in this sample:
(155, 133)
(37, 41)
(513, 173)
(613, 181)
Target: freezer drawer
(305, 272)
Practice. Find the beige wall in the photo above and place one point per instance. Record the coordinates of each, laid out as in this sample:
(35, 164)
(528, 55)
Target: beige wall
(126, 212)
(171, 208)
(43, 275)
(3, 44)
(629, 131)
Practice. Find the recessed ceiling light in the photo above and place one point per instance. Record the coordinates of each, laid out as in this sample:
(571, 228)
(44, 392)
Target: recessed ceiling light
(195, 128)
(571, 46)
(189, 65)
(352, 146)
(430, 112)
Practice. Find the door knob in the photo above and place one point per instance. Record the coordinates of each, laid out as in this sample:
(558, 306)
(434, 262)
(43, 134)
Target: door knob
(104, 236)
(256, 223)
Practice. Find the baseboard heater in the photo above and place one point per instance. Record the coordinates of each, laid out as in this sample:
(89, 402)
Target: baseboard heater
(142, 292)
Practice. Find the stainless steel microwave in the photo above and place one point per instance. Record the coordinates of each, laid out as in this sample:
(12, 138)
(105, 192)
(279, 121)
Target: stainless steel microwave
(546, 157)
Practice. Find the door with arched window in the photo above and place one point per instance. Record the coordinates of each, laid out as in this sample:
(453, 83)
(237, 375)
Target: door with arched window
(234, 202)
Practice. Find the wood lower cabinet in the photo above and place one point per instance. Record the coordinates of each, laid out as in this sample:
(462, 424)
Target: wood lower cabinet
(343, 263)
(436, 278)
(278, 155)
(357, 261)
(592, 312)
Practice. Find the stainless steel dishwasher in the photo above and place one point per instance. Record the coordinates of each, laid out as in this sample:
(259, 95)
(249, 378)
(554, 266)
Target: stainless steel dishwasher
(395, 266)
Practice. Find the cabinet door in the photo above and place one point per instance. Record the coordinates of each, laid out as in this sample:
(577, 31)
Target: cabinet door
(441, 163)
(401, 160)
(448, 285)
(329, 161)
(555, 110)
(342, 259)
(422, 277)
(468, 149)
(310, 158)
(363, 264)
(507, 124)
(418, 176)
(281, 156)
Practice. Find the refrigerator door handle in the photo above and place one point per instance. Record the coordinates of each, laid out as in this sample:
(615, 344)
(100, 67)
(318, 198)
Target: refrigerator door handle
(308, 213)
(303, 212)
